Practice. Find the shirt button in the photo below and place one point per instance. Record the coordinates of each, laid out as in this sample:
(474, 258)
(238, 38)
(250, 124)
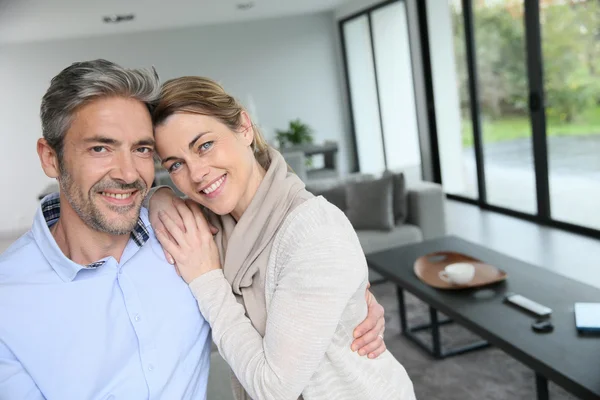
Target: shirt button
(137, 318)
(150, 367)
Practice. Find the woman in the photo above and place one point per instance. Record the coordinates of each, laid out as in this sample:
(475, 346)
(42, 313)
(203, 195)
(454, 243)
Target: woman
(282, 282)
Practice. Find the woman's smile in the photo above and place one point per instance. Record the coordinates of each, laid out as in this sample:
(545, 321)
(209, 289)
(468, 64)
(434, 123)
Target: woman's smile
(215, 188)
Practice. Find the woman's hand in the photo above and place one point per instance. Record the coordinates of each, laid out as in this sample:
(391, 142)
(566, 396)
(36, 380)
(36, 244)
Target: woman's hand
(193, 248)
(369, 334)
(162, 200)
(165, 200)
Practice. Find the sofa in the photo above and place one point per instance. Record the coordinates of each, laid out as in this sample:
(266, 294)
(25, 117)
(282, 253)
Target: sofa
(418, 209)
(424, 216)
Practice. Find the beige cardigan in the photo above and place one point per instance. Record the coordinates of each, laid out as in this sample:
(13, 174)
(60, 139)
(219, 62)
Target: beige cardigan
(315, 296)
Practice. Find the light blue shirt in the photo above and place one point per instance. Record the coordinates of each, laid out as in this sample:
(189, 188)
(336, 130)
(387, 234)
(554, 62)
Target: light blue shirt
(108, 330)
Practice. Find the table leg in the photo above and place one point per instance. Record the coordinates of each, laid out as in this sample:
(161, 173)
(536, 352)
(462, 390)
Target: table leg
(401, 309)
(435, 333)
(435, 349)
(541, 385)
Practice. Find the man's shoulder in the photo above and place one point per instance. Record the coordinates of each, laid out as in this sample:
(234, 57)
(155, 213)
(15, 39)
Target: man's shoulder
(145, 218)
(22, 247)
(144, 215)
(152, 244)
(19, 254)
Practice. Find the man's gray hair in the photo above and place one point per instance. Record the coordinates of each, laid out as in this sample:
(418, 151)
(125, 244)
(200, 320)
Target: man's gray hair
(85, 81)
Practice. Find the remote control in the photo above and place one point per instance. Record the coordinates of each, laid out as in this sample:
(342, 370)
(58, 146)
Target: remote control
(528, 304)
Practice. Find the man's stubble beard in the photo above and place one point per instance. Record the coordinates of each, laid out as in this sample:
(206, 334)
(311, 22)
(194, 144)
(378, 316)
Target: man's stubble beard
(91, 214)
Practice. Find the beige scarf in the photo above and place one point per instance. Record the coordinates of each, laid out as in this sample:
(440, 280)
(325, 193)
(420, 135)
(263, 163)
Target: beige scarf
(245, 246)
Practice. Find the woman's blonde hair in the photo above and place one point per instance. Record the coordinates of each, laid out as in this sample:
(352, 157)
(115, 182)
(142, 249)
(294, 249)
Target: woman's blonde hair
(199, 95)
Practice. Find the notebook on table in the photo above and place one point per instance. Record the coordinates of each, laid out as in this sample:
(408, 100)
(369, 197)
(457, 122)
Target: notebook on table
(587, 317)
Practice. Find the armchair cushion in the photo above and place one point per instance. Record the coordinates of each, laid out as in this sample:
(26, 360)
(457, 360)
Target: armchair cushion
(400, 197)
(370, 204)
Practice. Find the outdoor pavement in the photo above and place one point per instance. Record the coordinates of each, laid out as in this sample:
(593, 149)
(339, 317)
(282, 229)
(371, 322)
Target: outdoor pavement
(574, 165)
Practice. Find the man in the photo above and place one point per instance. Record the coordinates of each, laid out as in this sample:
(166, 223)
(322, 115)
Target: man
(89, 306)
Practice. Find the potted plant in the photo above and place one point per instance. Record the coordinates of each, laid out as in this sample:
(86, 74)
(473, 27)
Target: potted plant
(297, 133)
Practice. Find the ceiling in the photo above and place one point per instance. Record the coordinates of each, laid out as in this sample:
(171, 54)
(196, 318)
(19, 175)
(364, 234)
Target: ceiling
(34, 20)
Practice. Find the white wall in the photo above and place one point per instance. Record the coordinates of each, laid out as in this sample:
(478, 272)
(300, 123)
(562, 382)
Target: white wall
(288, 67)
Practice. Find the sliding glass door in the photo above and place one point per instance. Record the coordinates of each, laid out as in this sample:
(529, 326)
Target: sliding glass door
(528, 85)
(505, 122)
(571, 63)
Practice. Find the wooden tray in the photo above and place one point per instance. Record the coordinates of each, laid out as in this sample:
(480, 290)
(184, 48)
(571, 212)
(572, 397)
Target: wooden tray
(428, 267)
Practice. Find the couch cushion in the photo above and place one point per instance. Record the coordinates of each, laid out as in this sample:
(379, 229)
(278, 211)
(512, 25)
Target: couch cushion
(334, 189)
(336, 196)
(373, 241)
(370, 204)
(400, 196)
(319, 185)
(400, 199)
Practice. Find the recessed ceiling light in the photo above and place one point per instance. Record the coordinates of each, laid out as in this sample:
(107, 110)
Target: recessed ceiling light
(245, 6)
(116, 18)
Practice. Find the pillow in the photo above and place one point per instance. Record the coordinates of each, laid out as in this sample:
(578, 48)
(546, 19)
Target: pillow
(322, 184)
(370, 204)
(400, 197)
(336, 195)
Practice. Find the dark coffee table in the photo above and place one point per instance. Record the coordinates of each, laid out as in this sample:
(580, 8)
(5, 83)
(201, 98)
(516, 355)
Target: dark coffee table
(563, 356)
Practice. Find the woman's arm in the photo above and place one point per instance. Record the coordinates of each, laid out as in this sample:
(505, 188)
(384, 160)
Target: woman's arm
(314, 286)
(368, 334)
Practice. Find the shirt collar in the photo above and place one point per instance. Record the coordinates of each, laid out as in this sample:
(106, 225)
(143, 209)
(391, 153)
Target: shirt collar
(48, 215)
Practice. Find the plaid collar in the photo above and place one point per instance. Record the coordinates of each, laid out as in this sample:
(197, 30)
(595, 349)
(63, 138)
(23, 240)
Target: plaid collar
(51, 211)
